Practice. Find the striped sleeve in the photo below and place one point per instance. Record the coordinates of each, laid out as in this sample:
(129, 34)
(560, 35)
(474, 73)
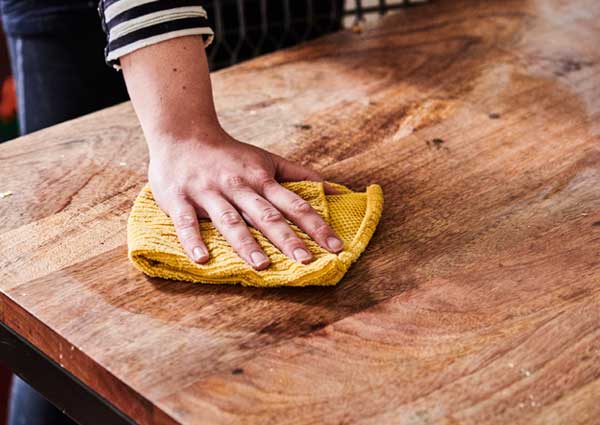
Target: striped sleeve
(132, 24)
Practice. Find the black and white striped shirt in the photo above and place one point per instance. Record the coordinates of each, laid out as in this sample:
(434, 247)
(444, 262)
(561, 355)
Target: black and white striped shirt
(133, 24)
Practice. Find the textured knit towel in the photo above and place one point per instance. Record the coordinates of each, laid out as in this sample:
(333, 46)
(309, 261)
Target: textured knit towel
(155, 249)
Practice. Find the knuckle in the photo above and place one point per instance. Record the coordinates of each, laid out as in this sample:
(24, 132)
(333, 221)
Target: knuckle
(187, 235)
(300, 206)
(230, 218)
(291, 246)
(264, 180)
(234, 182)
(270, 215)
(246, 242)
(290, 238)
(321, 230)
(290, 242)
(184, 221)
(179, 190)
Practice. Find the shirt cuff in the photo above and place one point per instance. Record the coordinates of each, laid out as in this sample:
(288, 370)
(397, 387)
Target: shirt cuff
(132, 24)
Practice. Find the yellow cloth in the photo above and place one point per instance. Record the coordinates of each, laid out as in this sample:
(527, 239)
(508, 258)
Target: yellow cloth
(156, 251)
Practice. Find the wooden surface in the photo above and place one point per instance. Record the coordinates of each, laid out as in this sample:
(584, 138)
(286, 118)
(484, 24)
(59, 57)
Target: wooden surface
(478, 299)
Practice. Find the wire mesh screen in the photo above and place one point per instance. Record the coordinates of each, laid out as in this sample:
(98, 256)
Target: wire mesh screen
(248, 28)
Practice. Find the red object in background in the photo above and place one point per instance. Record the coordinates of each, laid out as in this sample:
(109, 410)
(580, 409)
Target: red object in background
(8, 99)
(8, 110)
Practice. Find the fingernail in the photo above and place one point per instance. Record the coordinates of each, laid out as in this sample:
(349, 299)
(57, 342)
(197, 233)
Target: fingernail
(199, 254)
(334, 243)
(301, 255)
(258, 258)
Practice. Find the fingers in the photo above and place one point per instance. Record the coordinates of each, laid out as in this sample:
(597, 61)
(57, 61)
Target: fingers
(230, 224)
(185, 220)
(263, 204)
(266, 218)
(299, 211)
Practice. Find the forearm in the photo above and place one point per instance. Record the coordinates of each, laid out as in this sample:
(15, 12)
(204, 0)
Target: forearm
(169, 86)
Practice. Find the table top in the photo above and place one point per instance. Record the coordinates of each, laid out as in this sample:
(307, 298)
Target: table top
(478, 299)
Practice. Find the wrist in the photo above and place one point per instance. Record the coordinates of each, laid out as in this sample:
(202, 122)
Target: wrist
(198, 135)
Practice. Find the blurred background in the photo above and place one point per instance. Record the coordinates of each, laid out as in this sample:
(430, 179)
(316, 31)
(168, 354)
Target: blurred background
(243, 29)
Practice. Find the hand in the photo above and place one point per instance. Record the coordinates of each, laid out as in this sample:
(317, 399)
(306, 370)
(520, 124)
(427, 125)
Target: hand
(234, 183)
(198, 170)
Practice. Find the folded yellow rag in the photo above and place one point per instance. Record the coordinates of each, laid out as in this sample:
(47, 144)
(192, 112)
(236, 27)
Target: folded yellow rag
(156, 251)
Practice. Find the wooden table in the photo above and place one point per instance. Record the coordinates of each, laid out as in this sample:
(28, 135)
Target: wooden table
(478, 300)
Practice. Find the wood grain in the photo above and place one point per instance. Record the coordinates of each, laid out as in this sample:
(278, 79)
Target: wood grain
(478, 299)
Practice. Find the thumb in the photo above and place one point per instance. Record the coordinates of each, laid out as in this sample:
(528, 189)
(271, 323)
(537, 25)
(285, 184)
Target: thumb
(288, 171)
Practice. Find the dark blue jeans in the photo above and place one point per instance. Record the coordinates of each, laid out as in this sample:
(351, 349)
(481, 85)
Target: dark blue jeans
(61, 74)
(28, 407)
